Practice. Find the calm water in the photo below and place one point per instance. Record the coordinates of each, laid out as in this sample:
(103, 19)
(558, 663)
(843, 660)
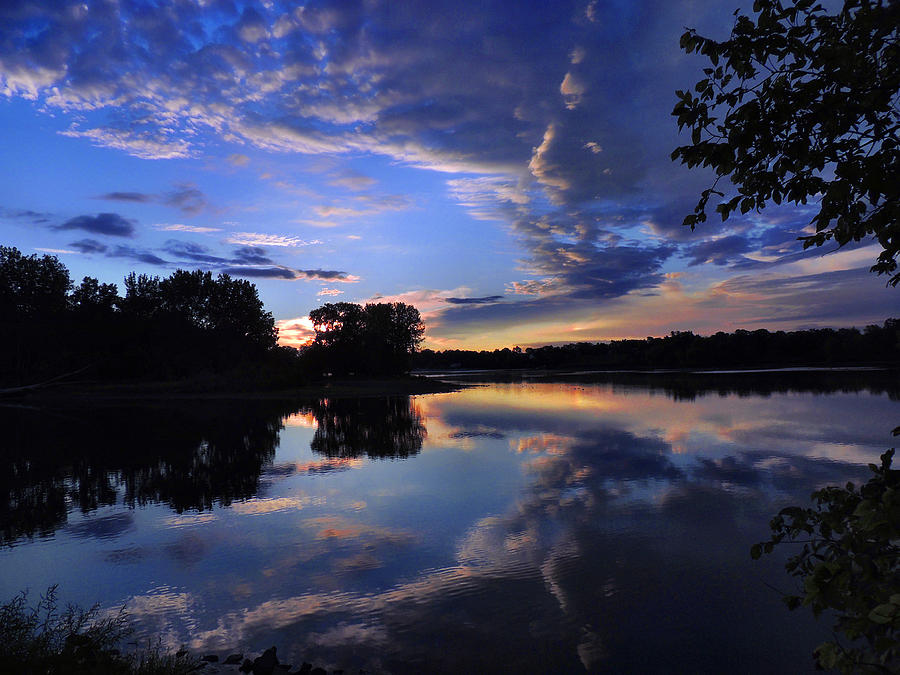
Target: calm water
(537, 526)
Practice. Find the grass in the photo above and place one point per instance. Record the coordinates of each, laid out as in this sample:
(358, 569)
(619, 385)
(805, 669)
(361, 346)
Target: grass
(46, 640)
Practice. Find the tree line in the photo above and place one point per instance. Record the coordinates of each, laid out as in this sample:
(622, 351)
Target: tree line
(874, 345)
(192, 324)
(162, 328)
(189, 325)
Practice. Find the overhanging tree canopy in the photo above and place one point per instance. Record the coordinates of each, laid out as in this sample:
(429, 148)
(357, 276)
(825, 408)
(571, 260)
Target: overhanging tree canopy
(799, 105)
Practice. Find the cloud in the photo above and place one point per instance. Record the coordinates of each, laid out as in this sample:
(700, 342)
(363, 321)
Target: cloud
(363, 205)
(251, 255)
(352, 180)
(339, 212)
(178, 227)
(143, 145)
(110, 224)
(474, 301)
(238, 159)
(186, 250)
(139, 197)
(572, 89)
(35, 217)
(723, 251)
(243, 255)
(260, 239)
(54, 250)
(329, 292)
(88, 246)
(830, 298)
(186, 197)
(289, 274)
(139, 255)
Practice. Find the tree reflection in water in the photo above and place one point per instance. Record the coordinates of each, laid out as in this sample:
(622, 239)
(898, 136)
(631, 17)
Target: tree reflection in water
(378, 427)
(189, 457)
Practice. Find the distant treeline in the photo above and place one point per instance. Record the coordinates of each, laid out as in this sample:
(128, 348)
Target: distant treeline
(741, 349)
(194, 326)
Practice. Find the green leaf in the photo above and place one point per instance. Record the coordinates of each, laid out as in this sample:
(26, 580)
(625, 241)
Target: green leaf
(827, 655)
(883, 614)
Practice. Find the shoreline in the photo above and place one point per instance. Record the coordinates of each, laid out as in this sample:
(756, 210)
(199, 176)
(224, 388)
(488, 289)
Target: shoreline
(187, 390)
(423, 382)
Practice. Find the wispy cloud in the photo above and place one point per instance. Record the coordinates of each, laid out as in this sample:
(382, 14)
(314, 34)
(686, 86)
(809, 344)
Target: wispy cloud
(261, 239)
(290, 274)
(186, 197)
(488, 299)
(179, 227)
(89, 246)
(55, 250)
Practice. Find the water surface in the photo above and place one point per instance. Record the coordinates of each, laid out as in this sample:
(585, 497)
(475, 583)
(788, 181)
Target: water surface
(542, 526)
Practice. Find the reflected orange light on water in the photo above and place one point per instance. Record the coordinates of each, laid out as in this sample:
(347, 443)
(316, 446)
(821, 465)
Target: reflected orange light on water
(300, 419)
(641, 412)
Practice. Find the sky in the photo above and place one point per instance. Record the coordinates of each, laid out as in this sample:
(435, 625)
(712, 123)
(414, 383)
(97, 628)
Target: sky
(503, 166)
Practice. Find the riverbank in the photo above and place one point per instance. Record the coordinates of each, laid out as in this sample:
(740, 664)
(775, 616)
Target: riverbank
(212, 390)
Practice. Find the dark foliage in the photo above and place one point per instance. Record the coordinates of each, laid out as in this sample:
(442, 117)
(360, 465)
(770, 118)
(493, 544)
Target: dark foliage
(875, 345)
(190, 457)
(74, 641)
(378, 339)
(186, 325)
(849, 564)
(800, 105)
(376, 427)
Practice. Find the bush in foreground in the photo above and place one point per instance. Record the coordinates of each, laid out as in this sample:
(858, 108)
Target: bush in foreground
(74, 641)
(850, 566)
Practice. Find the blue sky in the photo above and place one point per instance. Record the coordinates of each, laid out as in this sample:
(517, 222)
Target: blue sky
(504, 166)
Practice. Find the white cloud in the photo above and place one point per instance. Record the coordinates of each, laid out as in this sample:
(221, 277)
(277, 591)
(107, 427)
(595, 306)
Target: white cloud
(260, 239)
(138, 145)
(179, 227)
(55, 250)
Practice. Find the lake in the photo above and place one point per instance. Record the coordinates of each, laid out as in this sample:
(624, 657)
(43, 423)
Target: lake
(559, 524)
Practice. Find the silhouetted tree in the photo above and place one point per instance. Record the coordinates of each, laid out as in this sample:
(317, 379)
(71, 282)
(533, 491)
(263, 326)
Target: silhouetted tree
(93, 298)
(142, 295)
(377, 339)
(339, 336)
(801, 105)
(393, 332)
(33, 302)
(183, 325)
(31, 286)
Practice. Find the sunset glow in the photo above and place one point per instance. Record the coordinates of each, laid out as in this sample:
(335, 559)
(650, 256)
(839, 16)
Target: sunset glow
(508, 174)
